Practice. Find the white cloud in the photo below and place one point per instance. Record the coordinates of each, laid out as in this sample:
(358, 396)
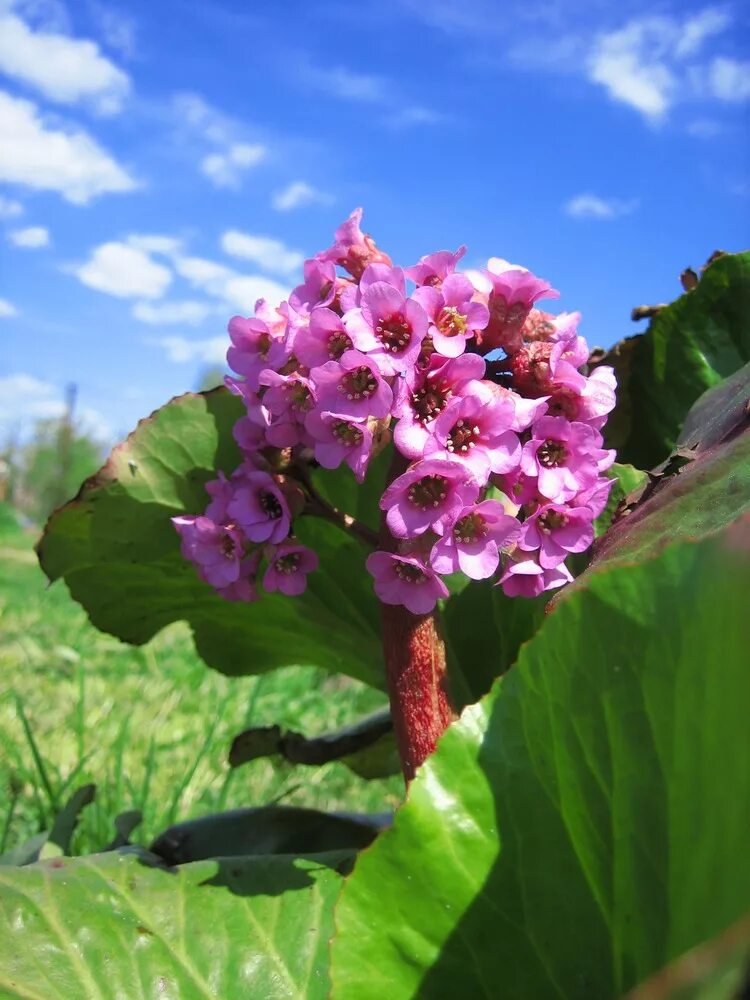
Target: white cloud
(729, 79)
(7, 309)
(704, 128)
(337, 81)
(226, 169)
(180, 350)
(238, 291)
(69, 162)
(591, 206)
(188, 312)
(650, 63)
(24, 397)
(269, 254)
(155, 243)
(124, 271)
(116, 30)
(625, 64)
(63, 69)
(243, 291)
(297, 194)
(31, 238)
(703, 25)
(232, 155)
(10, 209)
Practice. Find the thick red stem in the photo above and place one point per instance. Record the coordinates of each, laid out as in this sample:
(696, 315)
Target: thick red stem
(417, 683)
(414, 653)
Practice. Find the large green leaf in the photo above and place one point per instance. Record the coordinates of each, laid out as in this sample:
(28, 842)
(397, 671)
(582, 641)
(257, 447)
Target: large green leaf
(119, 554)
(689, 347)
(114, 926)
(587, 821)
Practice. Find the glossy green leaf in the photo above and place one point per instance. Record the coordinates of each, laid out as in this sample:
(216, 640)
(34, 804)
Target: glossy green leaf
(119, 554)
(700, 339)
(586, 822)
(112, 926)
(704, 497)
(718, 969)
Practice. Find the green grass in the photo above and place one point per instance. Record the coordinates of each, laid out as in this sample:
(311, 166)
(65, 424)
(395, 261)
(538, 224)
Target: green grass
(150, 726)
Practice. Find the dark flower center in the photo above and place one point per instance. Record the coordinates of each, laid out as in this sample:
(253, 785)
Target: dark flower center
(270, 505)
(550, 520)
(359, 383)
(227, 546)
(428, 491)
(551, 454)
(393, 332)
(347, 434)
(299, 395)
(430, 400)
(409, 573)
(512, 317)
(451, 322)
(470, 528)
(463, 437)
(287, 564)
(564, 403)
(338, 342)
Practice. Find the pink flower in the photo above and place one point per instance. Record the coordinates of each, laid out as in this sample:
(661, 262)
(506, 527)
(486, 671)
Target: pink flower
(427, 495)
(555, 531)
(511, 292)
(353, 387)
(216, 550)
(353, 249)
(221, 492)
(565, 457)
(318, 288)
(340, 439)
(596, 496)
(288, 398)
(260, 508)
(454, 318)
(526, 578)
(253, 348)
(388, 327)
(288, 566)
(419, 405)
(435, 267)
(472, 543)
(475, 432)
(405, 580)
(244, 589)
(325, 339)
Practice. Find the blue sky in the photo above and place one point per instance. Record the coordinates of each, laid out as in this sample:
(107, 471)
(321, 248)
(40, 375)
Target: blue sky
(164, 163)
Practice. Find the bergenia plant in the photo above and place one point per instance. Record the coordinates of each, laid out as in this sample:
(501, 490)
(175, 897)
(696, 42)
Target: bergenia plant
(498, 465)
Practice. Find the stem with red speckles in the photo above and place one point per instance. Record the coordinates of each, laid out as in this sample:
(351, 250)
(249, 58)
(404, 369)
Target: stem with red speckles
(414, 653)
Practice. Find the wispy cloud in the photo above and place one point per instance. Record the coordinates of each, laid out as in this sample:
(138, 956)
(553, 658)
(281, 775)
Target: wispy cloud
(653, 62)
(591, 206)
(54, 158)
(226, 169)
(187, 312)
(31, 238)
(7, 309)
(380, 92)
(10, 208)
(269, 254)
(232, 154)
(180, 350)
(63, 69)
(297, 194)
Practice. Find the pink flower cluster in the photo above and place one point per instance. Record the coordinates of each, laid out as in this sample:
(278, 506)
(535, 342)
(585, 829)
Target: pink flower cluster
(499, 465)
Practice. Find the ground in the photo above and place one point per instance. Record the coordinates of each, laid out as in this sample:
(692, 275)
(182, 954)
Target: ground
(151, 726)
